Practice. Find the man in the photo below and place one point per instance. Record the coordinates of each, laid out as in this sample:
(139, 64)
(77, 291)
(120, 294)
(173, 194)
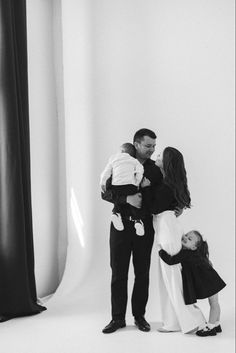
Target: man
(126, 242)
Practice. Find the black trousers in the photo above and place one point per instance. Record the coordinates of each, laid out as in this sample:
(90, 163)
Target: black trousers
(122, 245)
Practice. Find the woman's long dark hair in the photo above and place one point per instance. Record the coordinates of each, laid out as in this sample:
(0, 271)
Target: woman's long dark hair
(175, 176)
(202, 247)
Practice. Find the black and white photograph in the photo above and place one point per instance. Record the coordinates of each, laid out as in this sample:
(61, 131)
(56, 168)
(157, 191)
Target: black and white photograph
(117, 176)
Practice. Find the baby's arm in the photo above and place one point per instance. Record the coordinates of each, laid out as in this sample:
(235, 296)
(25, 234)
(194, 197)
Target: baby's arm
(171, 260)
(138, 171)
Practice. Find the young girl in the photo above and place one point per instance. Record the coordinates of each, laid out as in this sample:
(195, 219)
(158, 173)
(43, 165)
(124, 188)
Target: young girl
(200, 280)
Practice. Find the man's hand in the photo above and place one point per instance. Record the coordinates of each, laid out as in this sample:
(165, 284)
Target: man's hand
(178, 211)
(135, 200)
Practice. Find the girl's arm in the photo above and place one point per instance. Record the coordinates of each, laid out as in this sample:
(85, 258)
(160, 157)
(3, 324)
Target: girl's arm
(171, 260)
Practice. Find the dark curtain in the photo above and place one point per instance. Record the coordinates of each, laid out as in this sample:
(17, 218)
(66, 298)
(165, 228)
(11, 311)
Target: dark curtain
(17, 280)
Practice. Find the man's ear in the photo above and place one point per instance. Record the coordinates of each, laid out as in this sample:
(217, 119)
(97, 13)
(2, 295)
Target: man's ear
(136, 144)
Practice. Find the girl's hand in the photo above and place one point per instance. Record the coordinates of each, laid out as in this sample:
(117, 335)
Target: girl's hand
(159, 247)
(145, 182)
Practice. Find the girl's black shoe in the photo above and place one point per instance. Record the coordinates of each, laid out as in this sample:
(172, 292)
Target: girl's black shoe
(207, 332)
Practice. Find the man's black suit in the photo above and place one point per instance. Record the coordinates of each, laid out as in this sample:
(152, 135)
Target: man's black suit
(127, 242)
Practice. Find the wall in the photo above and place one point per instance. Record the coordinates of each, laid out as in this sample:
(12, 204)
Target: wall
(169, 66)
(165, 65)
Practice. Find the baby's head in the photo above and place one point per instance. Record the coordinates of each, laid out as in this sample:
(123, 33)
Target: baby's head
(192, 240)
(128, 148)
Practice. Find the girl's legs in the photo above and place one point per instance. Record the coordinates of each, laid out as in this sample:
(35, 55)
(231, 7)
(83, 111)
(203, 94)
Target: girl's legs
(214, 315)
(213, 326)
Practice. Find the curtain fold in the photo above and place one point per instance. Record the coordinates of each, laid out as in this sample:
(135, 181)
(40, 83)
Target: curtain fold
(17, 281)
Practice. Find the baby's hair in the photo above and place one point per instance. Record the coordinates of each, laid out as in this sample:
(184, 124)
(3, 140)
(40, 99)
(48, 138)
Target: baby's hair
(128, 148)
(202, 246)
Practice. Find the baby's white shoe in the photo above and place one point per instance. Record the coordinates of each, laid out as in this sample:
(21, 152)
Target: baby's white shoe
(139, 227)
(117, 221)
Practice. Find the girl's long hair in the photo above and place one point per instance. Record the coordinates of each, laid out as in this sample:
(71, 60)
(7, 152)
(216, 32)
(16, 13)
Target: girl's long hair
(202, 248)
(175, 176)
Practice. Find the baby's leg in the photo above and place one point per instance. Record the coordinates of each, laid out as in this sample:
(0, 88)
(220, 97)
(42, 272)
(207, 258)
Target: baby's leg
(214, 309)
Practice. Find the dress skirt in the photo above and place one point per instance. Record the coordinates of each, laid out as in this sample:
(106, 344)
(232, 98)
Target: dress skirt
(176, 315)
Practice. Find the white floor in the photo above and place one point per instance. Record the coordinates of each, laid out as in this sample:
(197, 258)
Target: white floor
(73, 324)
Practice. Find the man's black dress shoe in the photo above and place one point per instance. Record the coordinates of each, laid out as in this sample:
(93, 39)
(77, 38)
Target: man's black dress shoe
(142, 324)
(4, 318)
(114, 325)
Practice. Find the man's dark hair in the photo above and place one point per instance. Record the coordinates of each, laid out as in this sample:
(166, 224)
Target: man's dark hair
(139, 135)
(128, 148)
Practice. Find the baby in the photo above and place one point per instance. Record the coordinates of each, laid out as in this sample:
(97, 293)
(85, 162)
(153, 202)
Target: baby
(126, 173)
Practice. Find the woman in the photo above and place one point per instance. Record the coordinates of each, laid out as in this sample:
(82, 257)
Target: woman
(171, 194)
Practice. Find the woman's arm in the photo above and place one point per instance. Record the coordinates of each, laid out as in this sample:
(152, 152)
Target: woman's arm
(159, 198)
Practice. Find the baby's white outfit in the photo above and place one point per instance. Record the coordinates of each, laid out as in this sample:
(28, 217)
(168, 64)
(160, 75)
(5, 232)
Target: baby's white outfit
(124, 170)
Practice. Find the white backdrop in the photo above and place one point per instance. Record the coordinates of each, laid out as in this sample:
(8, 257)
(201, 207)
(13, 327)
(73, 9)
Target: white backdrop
(164, 65)
(44, 143)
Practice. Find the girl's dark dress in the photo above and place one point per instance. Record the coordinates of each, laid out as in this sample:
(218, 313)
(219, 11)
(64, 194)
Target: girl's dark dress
(200, 280)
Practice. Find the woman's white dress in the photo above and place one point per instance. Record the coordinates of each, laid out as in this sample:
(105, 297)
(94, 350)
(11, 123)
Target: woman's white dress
(176, 315)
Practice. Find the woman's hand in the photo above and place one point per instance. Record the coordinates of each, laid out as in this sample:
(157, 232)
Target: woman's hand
(145, 182)
(159, 247)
